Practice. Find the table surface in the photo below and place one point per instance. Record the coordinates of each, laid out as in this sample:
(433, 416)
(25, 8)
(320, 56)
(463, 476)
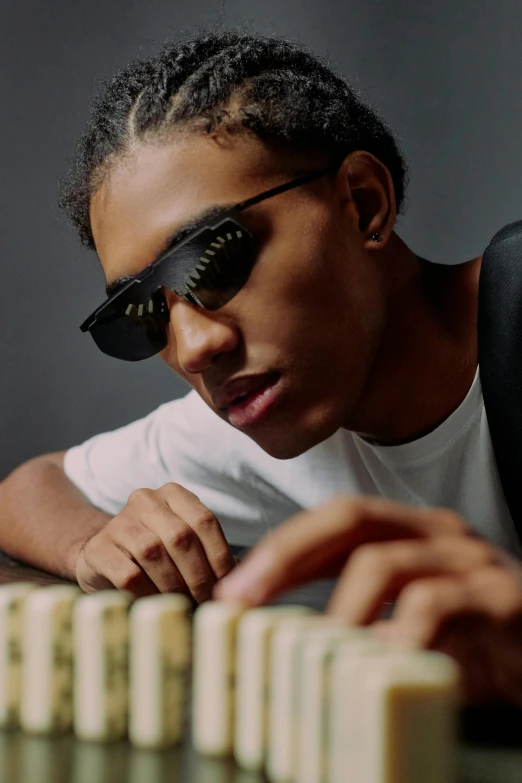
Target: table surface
(32, 759)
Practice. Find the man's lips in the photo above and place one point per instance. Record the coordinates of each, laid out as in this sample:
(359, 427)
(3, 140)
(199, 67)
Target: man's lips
(254, 407)
(242, 387)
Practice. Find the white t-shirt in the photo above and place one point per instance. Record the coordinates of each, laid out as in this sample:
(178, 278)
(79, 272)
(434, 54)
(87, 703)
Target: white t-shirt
(251, 492)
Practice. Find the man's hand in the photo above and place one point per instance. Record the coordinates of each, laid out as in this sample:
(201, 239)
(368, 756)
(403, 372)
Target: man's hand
(454, 592)
(164, 540)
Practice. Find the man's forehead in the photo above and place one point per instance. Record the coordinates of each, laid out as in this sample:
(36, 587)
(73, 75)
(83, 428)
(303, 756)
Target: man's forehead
(158, 191)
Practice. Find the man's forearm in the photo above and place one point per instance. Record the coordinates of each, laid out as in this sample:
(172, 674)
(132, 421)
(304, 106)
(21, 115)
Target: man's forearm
(44, 518)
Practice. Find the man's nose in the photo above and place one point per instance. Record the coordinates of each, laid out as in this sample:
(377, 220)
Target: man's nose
(199, 335)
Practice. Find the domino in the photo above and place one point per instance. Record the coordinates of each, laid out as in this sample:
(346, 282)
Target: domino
(411, 704)
(346, 700)
(283, 695)
(160, 652)
(100, 644)
(47, 665)
(12, 597)
(397, 721)
(279, 689)
(315, 655)
(213, 682)
(254, 633)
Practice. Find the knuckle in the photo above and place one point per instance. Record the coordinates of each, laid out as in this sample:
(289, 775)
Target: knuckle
(205, 521)
(150, 551)
(371, 558)
(182, 539)
(479, 550)
(423, 598)
(128, 579)
(508, 598)
(350, 508)
(343, 503)
(453, 522)
(140, 496)
(172, 487)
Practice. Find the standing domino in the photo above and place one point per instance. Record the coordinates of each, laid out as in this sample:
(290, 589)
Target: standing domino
(281, 758)
(160, 652)
(318, 646)
(47, 665)
(410, 718)
(254, 633)
(213, 682)
(12, 598)
(393, 717)
(346, 703)
(100, 643)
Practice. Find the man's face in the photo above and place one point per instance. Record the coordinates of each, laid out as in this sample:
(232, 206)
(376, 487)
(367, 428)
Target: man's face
(312, 311)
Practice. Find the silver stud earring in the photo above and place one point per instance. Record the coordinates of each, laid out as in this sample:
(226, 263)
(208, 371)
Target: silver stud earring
(375, 237)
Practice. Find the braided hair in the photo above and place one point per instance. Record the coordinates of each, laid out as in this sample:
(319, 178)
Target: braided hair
(282, 93)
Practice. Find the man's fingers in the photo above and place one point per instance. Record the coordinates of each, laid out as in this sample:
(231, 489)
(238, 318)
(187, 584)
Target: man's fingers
(145, 547)
(169, 542)
(426, 606)
(179, 535)
(378, 572)
(315, 544)
(476, 618)
(205, 525)
(103, 565)
(184, 553)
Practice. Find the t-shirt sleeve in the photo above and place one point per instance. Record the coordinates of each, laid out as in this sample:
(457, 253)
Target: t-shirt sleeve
(182, 441)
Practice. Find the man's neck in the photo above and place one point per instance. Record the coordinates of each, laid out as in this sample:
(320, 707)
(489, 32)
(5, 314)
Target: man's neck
(427, 358)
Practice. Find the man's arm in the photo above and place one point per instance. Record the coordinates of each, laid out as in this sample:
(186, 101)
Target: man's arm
(44, 518)
(123, 509)
(162, 540)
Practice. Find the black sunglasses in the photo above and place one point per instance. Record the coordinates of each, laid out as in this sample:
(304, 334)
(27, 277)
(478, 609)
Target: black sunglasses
(207, 269)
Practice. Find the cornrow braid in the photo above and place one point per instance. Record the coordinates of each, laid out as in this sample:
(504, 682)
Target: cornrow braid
(282, 93)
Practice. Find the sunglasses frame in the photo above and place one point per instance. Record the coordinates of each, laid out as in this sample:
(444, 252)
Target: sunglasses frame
(106, 307)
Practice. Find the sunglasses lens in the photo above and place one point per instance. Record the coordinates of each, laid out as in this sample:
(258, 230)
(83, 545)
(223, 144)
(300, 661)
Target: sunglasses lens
(208, 271)
(216, 265)
(136, 334)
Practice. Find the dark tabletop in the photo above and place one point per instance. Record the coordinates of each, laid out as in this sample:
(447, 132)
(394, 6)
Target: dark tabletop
(490, 751)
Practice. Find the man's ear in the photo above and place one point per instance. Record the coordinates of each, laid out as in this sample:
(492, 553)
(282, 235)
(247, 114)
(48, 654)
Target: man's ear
(370, 190)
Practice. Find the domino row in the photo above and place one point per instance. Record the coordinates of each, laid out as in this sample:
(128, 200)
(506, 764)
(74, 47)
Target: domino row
(98, 664)
(307, 700)
(280, 688)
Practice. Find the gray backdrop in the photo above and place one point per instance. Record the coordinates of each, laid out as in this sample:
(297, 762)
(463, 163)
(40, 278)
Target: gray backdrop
(447, 75)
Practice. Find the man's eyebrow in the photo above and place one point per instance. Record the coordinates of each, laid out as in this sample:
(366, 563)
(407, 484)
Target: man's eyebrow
(198, 221)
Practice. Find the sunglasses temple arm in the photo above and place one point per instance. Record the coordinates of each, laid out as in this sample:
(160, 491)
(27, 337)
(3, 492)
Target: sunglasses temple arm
(295, 183)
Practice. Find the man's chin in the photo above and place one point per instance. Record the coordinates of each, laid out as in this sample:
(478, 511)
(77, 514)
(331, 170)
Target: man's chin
(287, 444)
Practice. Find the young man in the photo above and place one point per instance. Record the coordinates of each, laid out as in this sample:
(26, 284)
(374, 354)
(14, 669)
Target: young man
(242, 203)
